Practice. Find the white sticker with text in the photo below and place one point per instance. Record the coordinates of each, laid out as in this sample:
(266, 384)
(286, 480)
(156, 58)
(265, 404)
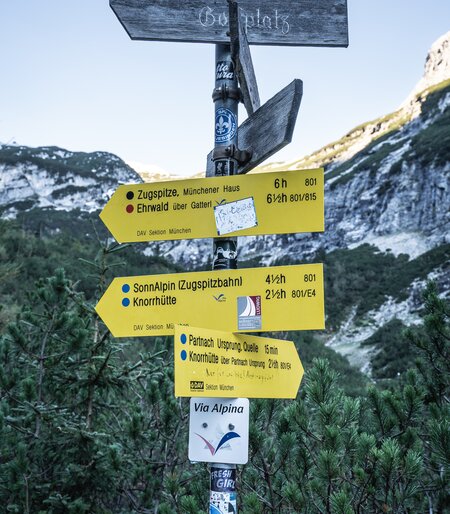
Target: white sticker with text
(234, 216)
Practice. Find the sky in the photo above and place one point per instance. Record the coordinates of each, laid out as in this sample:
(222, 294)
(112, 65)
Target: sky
(71, 77)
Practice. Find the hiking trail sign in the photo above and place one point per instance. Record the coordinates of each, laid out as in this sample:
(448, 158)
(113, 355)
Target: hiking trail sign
(266, 22)
(276, 298)
(285, 202)
(218, 432)
(210, 363)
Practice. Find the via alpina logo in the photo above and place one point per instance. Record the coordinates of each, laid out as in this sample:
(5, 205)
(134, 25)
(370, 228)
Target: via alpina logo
(227, 437)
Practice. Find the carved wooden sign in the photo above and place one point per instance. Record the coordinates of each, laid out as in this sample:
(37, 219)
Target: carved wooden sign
(266, 22)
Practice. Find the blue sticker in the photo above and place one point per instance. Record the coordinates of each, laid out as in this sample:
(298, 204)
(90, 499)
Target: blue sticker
(226, 125)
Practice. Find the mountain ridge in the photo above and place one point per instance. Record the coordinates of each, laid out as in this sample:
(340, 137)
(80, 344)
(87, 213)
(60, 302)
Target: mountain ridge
(52, 177)
(387, 196)
(386, 143)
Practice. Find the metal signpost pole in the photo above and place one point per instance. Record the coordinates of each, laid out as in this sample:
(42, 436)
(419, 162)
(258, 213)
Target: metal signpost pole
(226, 96)
(226, 99)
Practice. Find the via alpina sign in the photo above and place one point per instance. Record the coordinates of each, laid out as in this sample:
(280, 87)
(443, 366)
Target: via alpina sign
(266, 22)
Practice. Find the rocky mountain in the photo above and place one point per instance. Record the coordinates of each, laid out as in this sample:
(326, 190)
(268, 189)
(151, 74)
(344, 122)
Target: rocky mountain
(387, 186)
(56, 179)
(387, 181)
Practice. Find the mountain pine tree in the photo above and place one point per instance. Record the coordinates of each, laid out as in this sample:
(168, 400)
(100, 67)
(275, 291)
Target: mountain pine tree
(87, 423)
(386, 452)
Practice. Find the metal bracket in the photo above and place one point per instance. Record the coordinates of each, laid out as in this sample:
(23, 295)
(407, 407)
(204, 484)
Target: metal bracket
(223, 92)
(232, 152)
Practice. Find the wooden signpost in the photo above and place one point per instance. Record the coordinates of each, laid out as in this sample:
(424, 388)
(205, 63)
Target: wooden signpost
(240, 53)
(262, 299)
(266, 22)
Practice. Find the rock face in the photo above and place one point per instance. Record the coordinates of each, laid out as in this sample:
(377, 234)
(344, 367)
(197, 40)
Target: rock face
(437, 67)
(50, 177)
(387, 182)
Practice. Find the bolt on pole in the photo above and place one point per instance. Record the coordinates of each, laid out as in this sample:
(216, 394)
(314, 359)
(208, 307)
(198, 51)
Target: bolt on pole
(226, 97)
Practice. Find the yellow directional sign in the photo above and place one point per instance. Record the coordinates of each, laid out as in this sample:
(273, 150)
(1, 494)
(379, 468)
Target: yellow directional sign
(285, 202)
(209, 363)
(245, 300)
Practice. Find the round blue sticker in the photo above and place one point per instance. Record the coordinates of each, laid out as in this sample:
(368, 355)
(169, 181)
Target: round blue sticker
(226, 125)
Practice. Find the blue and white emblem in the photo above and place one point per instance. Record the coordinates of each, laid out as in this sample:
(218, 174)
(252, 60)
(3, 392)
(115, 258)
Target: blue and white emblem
(225, 125)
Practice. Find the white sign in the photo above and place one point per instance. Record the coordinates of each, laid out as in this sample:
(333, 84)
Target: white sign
(233, 216)
(218, 430)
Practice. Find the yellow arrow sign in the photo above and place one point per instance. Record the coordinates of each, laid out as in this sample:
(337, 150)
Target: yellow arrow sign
(209, 363)
(248, 300)
(285, 202)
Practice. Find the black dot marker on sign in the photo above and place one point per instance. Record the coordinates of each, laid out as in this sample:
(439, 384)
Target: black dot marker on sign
(130, 195)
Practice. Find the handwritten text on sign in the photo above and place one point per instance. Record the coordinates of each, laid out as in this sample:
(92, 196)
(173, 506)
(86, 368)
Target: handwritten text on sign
(226, 365)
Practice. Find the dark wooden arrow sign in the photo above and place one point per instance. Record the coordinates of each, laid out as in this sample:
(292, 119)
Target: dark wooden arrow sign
(266, 22)
(240, 53)
(268, 129)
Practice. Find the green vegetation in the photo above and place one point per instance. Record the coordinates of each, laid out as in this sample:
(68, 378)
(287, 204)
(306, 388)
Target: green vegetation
(365, 277)
(370, 163)
(433, 95)
(393, 354)
(393, 122)
(91, 426)
(351, 380)
(29, 255)
(77, 430)
(432, 145)
(388, 452)
(58, 164)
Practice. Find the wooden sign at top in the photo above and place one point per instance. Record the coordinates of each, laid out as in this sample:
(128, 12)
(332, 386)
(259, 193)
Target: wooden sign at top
(266, 22)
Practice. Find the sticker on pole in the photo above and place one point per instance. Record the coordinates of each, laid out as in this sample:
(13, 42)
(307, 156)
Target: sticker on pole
(234, 216)
(226, 125)
(218, 430)
(222, 499)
